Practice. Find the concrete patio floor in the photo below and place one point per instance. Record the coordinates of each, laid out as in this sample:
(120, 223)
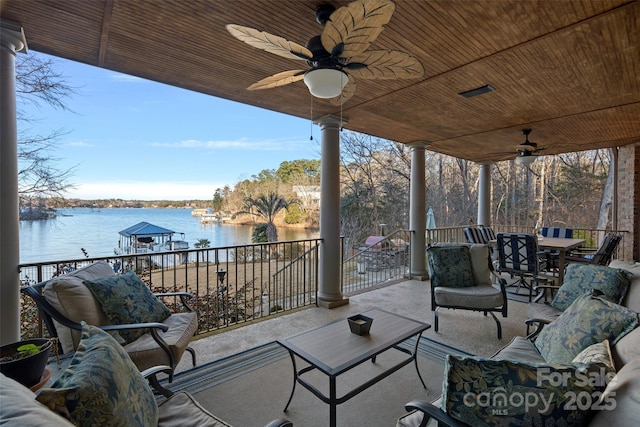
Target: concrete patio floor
(466, 330)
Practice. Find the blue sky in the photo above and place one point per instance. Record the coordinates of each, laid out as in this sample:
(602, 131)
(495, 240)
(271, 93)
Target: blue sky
(132, 138)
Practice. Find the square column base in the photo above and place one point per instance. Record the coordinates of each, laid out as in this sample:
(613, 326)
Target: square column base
(333, 304)
(421, 277)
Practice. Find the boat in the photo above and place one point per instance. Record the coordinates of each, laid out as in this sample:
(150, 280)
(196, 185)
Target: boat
(200, 212)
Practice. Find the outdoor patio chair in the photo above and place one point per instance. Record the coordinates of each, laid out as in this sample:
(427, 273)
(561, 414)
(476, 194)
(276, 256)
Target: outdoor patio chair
(474, 235)
(488, 233)
(601, 256)
(461, 279)
(551, 256)
(518, 257)
(106, 386)
(150, 333)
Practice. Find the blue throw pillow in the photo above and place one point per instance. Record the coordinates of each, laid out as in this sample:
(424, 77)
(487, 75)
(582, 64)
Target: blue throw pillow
(482, 392)
(126, 299)
(587, 321)
(101, 386)
(580, 279)
(450, 266)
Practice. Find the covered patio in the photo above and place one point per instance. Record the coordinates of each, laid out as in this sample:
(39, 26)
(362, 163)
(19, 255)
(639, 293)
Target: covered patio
(244, 356)
(567, 70)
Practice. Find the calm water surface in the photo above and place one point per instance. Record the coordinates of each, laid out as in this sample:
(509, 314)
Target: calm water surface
(97, 231)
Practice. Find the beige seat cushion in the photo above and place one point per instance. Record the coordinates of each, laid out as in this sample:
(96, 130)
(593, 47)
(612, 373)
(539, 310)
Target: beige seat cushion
(520, 349)
(145, 352)
(478, 297)
(480, 264)
(182, 410)
(74, 300)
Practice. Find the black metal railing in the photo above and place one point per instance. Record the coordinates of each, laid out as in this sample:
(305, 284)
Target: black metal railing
(382, 262)
(593, 236)
(238, 284)
(230, 285)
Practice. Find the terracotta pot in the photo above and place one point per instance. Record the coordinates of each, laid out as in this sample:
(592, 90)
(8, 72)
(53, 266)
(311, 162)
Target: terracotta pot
(28, 370)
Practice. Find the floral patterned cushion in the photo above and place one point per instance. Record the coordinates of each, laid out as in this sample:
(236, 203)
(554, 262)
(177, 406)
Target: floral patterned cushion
(483, 392)
(587, 321)
(102, 386)
(596, 353)
(450, 266)
(126, 299)
(580, 279)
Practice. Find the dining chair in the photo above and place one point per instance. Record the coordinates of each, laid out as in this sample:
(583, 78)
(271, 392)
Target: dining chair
(518, 256)
(602, 255)
(488, 233)
(474, 235)
(551, 256)
(566, 233)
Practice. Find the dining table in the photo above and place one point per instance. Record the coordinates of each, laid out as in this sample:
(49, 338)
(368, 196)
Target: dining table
(562, 246)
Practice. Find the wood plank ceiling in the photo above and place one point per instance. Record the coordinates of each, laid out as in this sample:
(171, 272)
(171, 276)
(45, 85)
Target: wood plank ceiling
(567, 69)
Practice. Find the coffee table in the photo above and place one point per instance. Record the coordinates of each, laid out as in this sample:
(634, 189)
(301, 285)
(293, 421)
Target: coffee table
(334, 350)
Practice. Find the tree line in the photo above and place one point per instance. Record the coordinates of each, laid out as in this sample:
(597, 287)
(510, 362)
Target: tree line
(571, 190)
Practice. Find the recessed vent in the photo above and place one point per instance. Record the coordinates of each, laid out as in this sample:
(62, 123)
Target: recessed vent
(477, 91)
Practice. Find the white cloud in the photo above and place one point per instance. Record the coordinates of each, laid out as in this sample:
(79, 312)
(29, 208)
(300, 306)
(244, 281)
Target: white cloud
(144, 190)
(126, 78)
(242, 144)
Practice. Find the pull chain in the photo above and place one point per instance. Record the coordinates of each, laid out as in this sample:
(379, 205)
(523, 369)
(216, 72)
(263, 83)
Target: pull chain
(341, 127)
(311, 124)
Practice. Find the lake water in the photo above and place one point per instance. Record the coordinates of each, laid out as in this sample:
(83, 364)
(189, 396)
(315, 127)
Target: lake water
(97, 232)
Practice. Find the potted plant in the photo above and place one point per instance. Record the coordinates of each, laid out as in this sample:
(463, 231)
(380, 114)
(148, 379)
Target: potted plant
(24, 361)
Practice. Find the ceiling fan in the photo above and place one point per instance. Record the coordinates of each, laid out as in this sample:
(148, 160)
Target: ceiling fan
(527, 149)
(339, 55)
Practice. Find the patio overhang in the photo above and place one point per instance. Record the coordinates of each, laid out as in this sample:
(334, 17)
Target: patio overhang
(569, 70)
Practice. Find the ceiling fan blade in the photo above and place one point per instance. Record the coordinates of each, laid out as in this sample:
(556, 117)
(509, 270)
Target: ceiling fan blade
(280, 79)
(351, 29)
(347, 93)
(265, 41)
(386, 64)
(531, 146)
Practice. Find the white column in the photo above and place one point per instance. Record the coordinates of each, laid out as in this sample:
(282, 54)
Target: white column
(484, 194)
(12, 40)
(329, 293)
(417, 211)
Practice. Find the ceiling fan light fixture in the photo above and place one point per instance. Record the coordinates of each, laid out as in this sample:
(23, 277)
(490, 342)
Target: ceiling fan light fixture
(526, 159)
(325, 82)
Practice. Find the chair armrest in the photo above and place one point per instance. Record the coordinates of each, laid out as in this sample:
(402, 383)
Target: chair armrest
(151, 325)
(184, 298)
(151, 375)
(540, 291)
(432, 411)
(538, 323)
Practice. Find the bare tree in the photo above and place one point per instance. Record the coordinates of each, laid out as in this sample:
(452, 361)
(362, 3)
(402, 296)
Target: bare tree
(38, 83)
